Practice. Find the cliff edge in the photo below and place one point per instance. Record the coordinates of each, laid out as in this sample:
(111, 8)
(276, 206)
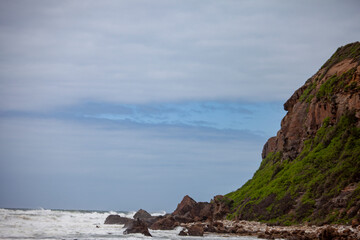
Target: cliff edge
(310, 170)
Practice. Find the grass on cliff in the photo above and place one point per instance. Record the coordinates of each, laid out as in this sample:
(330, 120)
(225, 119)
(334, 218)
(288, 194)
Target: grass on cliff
(337, 83)
(334, 84)
(351, 50)
(289, 192)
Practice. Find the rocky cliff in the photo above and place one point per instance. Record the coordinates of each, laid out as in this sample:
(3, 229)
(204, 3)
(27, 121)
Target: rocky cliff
(311, 169)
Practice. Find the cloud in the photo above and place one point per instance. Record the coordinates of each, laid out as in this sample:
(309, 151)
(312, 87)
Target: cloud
(205, 114)
(62, 53)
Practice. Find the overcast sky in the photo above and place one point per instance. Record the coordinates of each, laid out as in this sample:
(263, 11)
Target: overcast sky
(121, 105)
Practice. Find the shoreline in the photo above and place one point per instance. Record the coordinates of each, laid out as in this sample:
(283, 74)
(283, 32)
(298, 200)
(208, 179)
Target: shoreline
(199, 218)
(262, 230)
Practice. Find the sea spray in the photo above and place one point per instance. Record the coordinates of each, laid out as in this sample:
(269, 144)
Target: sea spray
(64, 224)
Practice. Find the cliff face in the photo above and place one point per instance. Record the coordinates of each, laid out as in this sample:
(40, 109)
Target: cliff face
(311, 168)
(330, 93)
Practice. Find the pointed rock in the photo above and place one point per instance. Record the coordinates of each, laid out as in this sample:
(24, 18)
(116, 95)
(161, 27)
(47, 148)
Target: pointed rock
(184, 206)
(142, 214)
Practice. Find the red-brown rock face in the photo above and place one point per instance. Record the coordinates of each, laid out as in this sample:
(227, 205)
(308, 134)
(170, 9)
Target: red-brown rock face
(331, 92)
(184, 206)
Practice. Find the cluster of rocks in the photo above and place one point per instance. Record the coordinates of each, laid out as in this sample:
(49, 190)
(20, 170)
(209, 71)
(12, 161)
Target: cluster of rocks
(140, 223)
(262, 230)
(198, 218)
(187, 211)
(303, 232)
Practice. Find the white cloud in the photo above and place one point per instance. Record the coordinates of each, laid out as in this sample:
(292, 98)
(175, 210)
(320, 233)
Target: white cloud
(57, 53)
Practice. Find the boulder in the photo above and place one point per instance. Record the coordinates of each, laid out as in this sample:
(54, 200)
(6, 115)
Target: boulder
(117, 219)
(196, 230)
(142, 214)
(137, 226)
(165, 223)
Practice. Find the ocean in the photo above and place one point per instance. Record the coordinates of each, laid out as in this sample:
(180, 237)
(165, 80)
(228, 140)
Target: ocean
(45, 224)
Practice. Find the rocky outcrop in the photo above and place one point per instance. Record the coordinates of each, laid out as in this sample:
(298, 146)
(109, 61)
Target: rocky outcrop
(185, 206)
(137, 226)
(189, 211)
(311, 169)
(142, 215)
(146, 217)
(330, 93)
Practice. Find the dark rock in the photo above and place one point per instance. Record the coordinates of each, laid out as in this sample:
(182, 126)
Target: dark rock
(117, 219)
(328, 233)
(202, 211)
(150, 221)
(188, 210)
(221, 229)
(265, 235)
(183, 219)
(165, 223)
(146, 217)
(183, 233)
(221, 206)
(142, 214)
(355, 222)
(185, 206)
(209, 228)
(137, 226)
(196, 230)
(218, 224)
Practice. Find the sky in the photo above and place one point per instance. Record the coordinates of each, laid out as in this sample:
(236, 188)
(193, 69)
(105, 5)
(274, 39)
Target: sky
(122, 105)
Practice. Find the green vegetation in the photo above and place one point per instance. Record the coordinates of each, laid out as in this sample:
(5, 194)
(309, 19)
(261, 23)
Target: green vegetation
(331, 86)
(337, 83)
(306, 96)
(327, 164)
(351, 50)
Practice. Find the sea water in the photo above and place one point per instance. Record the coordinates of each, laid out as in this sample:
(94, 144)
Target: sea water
(64, 224)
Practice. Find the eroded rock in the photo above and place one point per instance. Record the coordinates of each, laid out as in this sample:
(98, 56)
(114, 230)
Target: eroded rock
(165, 223)
(137, 226)
(142, 214)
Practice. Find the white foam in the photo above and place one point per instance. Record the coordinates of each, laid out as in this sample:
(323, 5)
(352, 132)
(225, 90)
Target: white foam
(54, 224)
(162, 213)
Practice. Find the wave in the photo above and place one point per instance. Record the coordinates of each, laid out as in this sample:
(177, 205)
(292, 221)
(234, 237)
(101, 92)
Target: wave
(72, 224)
